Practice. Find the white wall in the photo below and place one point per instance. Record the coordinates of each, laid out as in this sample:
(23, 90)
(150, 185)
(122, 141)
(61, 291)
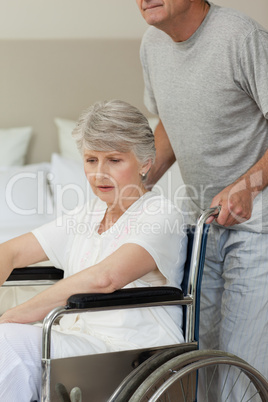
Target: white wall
(90, 19)
(48, 19)
(57, 19)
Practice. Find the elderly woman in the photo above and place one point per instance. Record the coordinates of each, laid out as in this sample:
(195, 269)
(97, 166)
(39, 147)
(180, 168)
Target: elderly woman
(127, 236)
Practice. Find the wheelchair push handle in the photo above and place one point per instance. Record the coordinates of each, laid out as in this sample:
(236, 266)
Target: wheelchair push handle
(196, 270)
(210, 214)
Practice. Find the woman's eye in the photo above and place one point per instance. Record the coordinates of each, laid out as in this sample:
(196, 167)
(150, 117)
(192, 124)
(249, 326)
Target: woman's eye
(91, 160)
(115, 160)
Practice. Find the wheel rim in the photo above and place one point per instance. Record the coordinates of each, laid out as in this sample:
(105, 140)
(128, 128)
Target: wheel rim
(178, 368)
(254, 390)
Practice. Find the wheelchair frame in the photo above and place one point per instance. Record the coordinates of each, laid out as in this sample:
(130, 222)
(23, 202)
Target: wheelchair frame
(138, 298)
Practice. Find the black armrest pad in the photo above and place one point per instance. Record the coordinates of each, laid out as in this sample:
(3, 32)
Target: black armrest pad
(35, 273)
(123, 297)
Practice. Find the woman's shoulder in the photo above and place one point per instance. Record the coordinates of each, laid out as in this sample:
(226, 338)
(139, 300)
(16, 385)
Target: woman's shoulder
(94, 207)
(159, 205)
(153, 197)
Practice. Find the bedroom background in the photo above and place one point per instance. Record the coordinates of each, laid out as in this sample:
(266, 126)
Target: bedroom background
(57, 58)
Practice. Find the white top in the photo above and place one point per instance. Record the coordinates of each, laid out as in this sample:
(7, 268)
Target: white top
(72, 243)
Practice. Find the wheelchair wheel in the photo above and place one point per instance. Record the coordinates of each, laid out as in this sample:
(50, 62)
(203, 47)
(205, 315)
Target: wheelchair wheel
(219, 376)
(144, 369)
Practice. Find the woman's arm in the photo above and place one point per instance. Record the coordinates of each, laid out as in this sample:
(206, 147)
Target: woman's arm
(18, 253)
(125, 265)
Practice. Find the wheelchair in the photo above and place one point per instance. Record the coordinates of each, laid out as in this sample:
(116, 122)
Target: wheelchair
(166, 373)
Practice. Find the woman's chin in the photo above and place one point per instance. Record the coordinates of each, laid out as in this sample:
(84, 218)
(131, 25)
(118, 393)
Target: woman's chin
(107, 196)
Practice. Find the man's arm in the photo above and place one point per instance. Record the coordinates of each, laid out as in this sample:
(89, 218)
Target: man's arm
(236, 200)
(164, 156)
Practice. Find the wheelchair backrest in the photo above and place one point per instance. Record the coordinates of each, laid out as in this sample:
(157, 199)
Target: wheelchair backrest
(190, 231)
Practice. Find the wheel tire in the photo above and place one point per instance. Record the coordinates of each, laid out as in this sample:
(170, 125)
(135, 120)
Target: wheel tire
(177, 379)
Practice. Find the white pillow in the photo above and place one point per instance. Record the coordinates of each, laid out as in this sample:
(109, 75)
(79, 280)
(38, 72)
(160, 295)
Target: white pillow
(25, 199)
(67, 144)
(69, 185)
(13, 145)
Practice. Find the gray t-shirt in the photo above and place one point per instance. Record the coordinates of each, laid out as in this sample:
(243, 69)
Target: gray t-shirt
(211, 93)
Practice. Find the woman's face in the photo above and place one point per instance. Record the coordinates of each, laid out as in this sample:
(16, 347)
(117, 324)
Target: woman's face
(115, 177)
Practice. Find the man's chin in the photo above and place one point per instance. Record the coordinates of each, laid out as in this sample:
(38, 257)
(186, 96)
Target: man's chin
(153, 16)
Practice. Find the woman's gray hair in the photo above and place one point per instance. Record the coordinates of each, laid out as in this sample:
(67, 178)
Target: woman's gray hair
(115, 125)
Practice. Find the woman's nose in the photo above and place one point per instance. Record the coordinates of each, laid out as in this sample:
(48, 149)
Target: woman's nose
(102, 169)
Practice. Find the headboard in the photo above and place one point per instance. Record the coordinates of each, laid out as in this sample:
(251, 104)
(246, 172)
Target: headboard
(44, 79)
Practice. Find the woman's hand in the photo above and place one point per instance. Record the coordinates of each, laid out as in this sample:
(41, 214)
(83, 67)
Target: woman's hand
(19, 314)
(7, 318)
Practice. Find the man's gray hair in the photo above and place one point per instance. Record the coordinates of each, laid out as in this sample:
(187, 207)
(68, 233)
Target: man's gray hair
(115, 125)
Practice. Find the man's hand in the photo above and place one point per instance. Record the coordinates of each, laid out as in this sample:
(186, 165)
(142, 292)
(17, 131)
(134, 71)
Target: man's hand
(236, 203)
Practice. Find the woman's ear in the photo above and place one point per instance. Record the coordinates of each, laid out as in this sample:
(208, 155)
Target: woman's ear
(146, 167)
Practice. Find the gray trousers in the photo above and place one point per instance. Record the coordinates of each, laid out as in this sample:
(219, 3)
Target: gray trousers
(234, 301)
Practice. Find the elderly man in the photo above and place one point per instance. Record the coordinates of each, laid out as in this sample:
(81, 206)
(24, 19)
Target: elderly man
(206, 77)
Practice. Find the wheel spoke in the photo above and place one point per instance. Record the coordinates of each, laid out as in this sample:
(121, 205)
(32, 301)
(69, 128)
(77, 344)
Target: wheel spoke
(246, 390)
(233, 386)
(253, 396)
(211, 381)
(225, 380)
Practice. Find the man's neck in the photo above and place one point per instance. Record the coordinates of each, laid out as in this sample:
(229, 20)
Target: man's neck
(182, 28)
